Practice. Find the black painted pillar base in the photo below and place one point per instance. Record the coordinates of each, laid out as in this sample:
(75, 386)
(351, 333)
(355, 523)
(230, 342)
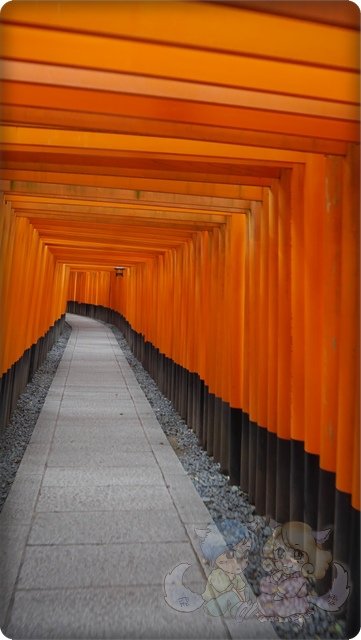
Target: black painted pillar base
(234, 445)
(225, 435)
(252, 456)
(310, 515)
(271, 474)
(353, 608)
(297, 481)
(261, 470)
(15, 379)
(210, 400)
(217, 429)
(244, 453)
(283, 480)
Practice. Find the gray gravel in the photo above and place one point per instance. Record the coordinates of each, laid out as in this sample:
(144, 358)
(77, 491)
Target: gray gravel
(228, 505)
(14, 439)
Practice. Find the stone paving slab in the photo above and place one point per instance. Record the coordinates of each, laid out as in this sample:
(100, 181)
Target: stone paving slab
(54, 393)
(157, 437)
(13, 538)
(150, 424)
(87, 414)
(112, 527)
(98, 406)
(108, 498)
(74, 395)
(104, 442)
(69, 456)
(43, 432)
(168, 461)
(34, 458)
(96, 391)
(102, 379)
(20, 503)
(134, 613)
(102, 477)
(100, 512)
(122, 430)
(107, 565)
(185, 496)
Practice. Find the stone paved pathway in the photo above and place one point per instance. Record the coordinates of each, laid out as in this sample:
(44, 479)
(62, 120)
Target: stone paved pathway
(100, 511)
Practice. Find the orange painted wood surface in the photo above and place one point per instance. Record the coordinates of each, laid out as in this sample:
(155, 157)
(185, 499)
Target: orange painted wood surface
(221, 169)
(33, 285)
(318, 43)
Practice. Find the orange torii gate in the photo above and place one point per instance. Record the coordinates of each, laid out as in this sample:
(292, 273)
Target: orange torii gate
(213, 151)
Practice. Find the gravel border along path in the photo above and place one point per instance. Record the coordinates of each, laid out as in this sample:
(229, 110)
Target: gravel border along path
(15, 437)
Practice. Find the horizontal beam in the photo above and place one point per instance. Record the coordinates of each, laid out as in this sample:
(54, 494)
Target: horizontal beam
(88, 265)
(139, 58)
(103, 265)
(183, 24)
(344, 14)
(105, 259)
(118, 228)
(57, 229)
(108, 247)
(91, 140)
(73, 235)
(98, 194)
(100, 254)
(101, 218)
(183, 181)
(110, 93)
(139, 209)
(192, 187)
(141, 166)
(25, 116)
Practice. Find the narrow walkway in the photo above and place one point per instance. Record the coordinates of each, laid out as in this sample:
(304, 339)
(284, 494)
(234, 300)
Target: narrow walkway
(100, 511)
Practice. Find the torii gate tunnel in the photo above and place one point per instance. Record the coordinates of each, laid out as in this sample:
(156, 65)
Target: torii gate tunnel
(211, 150)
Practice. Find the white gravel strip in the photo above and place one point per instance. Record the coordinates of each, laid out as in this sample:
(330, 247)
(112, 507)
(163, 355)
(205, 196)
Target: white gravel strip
(14, 439)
